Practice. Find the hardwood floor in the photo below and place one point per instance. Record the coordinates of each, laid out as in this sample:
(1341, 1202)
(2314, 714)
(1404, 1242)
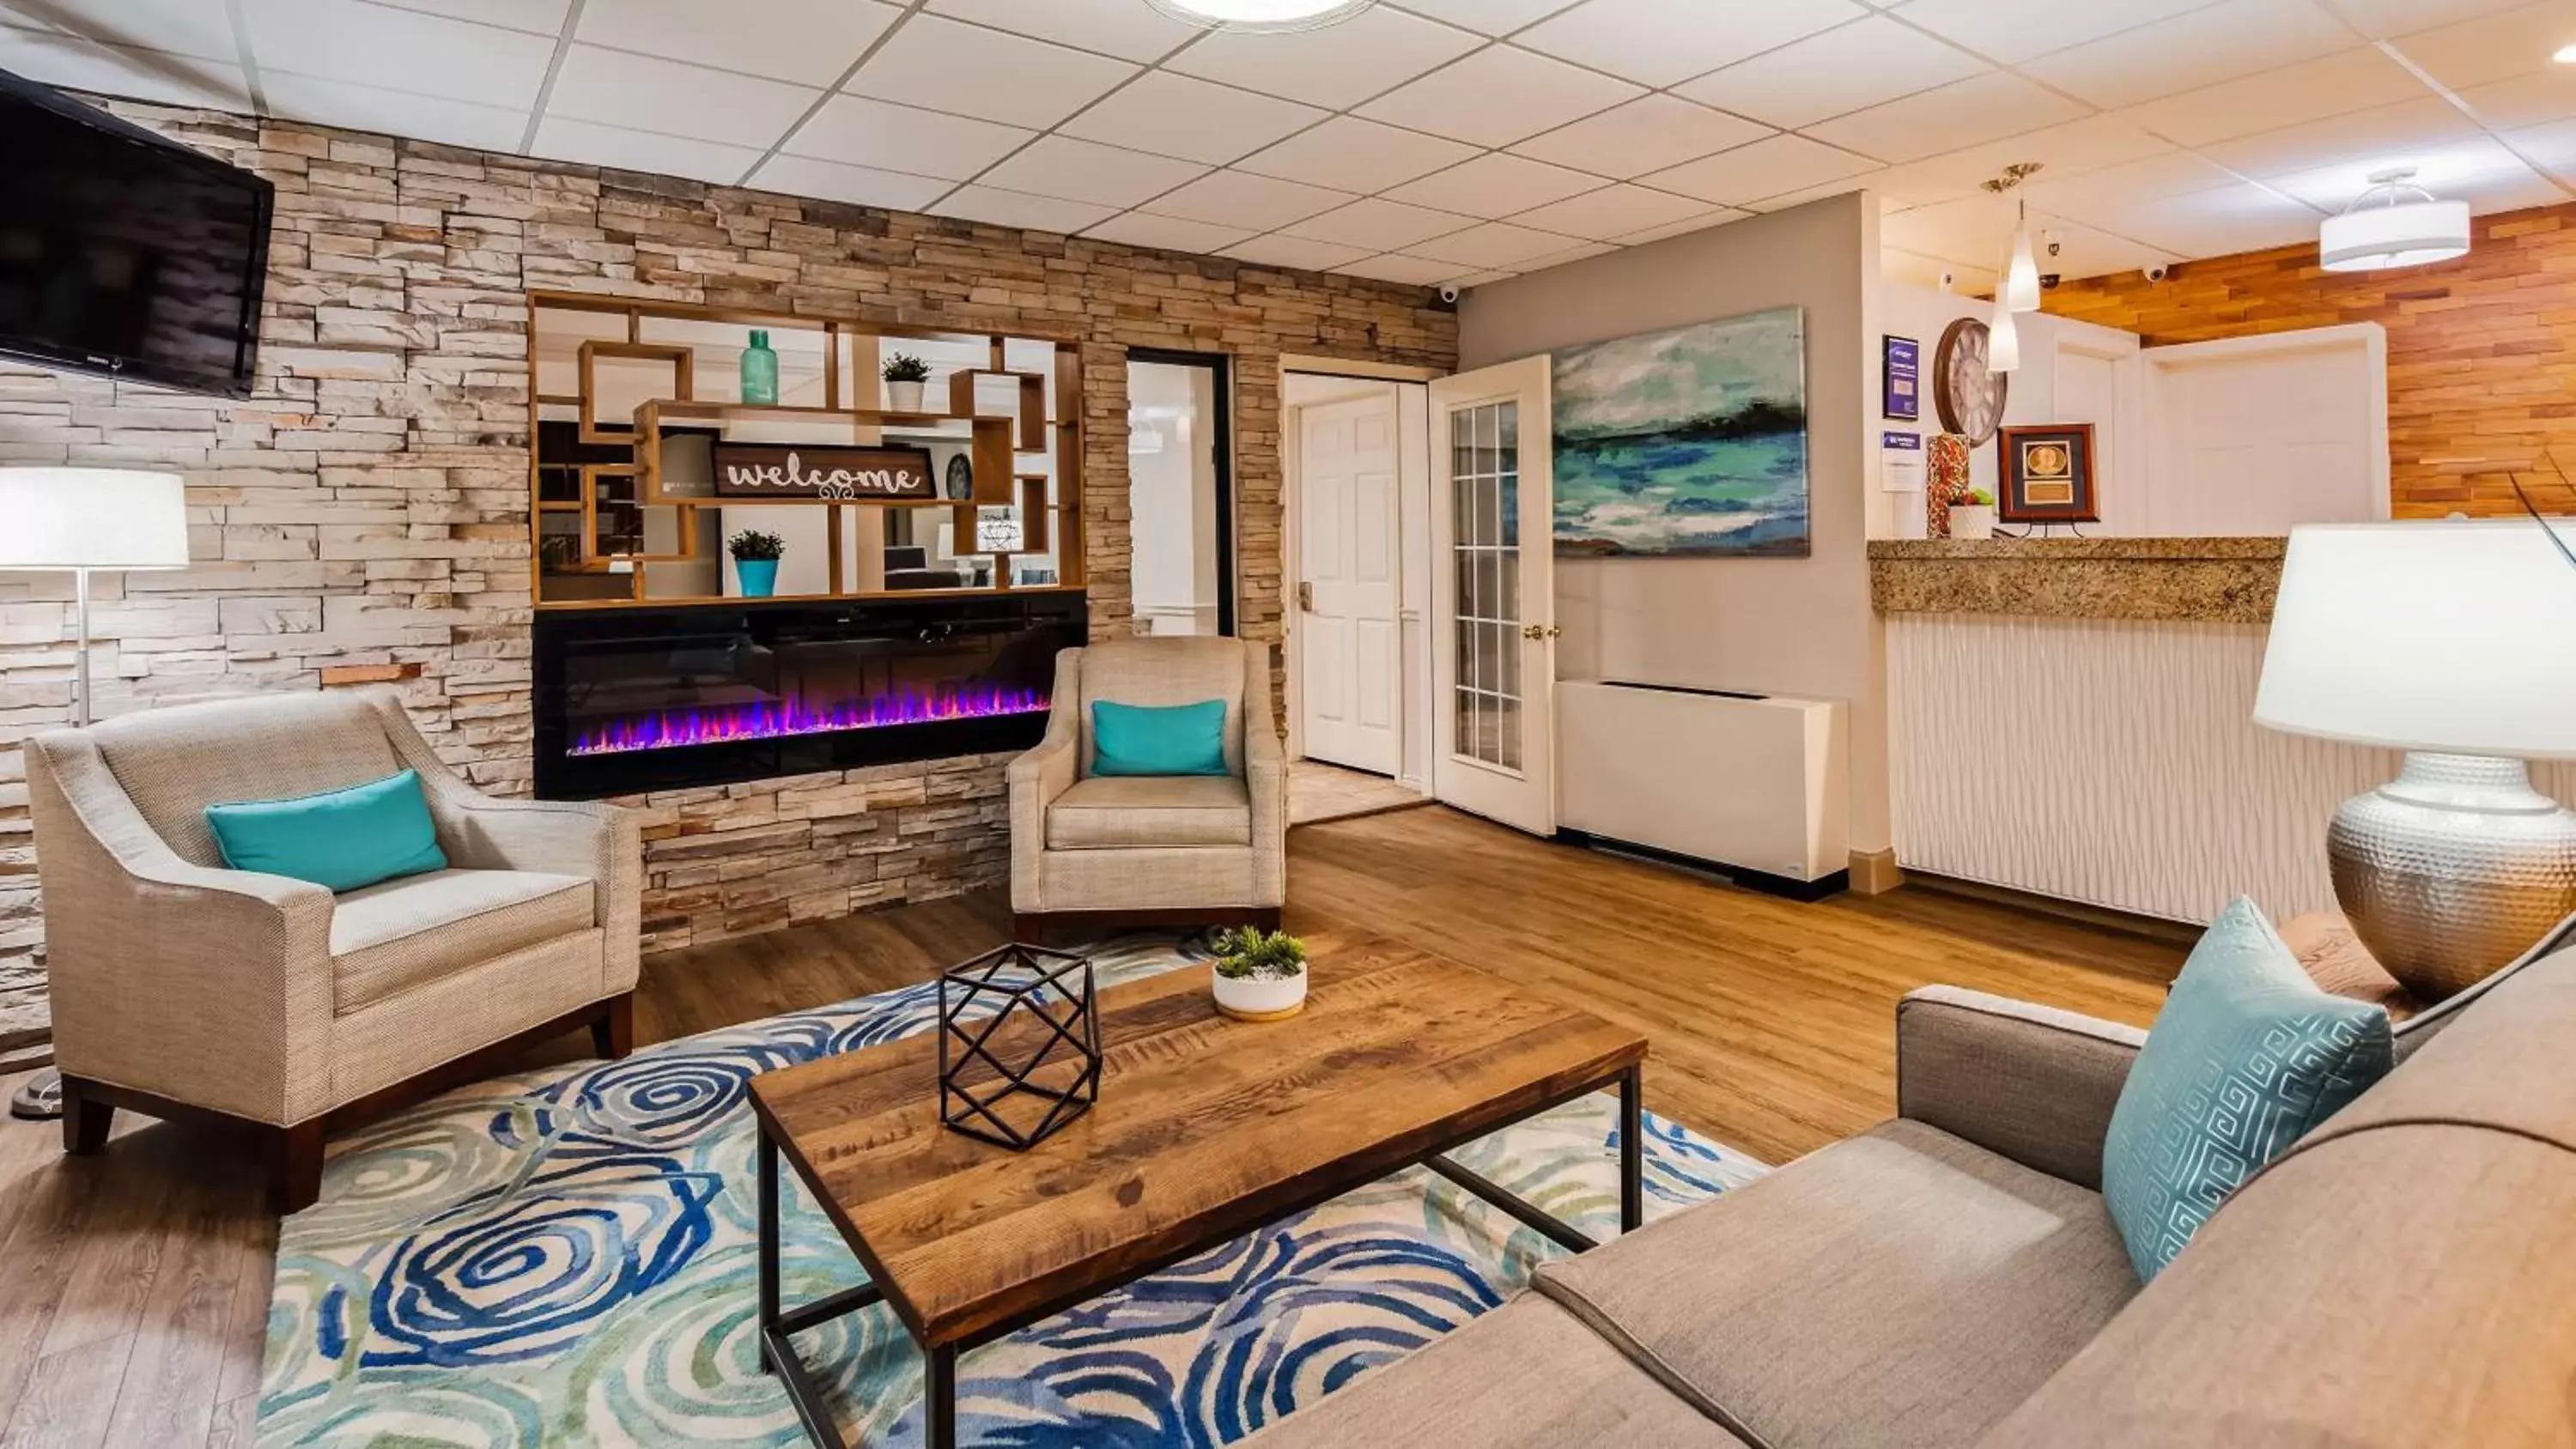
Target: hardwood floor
(134, 1285)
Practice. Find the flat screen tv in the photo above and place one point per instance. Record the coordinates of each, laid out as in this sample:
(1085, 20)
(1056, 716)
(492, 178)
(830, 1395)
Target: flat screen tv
(125, 254)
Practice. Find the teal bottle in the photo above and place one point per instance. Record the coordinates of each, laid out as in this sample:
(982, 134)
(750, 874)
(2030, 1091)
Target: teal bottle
(759, 371)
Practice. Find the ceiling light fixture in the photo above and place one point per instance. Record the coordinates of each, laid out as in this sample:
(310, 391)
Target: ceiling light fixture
(1262, 17)
(2408, 228)
(2020, 289)
(2564, 55)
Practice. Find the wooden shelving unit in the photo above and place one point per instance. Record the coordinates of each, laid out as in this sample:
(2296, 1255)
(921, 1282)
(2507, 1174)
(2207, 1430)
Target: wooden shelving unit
(605, 510)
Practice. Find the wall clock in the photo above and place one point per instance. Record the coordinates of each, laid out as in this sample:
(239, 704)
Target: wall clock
(1969, 397)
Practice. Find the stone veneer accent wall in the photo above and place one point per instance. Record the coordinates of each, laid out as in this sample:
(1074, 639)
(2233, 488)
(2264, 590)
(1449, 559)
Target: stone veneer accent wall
(364, 516)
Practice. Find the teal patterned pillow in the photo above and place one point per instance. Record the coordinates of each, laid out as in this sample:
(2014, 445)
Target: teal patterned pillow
(2245, 1059)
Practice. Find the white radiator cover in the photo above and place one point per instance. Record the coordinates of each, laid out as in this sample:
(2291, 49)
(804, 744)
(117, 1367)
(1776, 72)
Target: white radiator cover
(2115, 763)
(1757, 783)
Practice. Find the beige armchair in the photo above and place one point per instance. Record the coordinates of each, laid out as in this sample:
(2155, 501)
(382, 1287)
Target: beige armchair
(181, 988)
(1121, 851)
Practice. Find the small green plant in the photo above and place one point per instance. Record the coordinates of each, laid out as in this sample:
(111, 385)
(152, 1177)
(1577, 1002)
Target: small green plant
(1974, 498)
(753, 546)
(904, 367)
(1252, 954)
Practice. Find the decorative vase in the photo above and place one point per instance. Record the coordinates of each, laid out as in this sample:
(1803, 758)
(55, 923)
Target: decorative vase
(759, 371)
(1260, 998)
(759, 576)
(1972, 520)
(903, 397)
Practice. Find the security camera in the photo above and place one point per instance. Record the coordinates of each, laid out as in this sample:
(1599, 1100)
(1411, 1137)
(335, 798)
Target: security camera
(1449, 294)
(1949, 280)
(2158, 271)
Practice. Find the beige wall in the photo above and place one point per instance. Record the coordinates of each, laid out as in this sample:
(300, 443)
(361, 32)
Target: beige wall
(1775, 626)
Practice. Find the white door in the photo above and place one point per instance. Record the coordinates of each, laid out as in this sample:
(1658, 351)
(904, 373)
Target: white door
(1349, 655)
(2254, 434)
(1493, 595)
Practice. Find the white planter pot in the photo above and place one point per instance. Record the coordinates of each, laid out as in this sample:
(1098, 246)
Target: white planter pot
(903, 397)
(1968, 521)
(1260, 998)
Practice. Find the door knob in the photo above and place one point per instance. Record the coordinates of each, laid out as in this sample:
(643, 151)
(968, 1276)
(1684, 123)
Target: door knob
(1536, 632)
(1305, 597)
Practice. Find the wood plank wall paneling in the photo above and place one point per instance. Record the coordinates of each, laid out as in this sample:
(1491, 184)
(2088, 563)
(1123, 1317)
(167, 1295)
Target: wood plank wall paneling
(2481, 351)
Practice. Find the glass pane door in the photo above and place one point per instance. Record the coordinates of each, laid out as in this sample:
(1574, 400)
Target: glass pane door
(1485, 485)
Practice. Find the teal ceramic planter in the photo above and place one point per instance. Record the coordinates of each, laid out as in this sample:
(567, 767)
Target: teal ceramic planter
(759, 576)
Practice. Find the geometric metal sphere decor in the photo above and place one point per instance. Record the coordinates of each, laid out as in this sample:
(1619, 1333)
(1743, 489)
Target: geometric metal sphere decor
(1019, 1045)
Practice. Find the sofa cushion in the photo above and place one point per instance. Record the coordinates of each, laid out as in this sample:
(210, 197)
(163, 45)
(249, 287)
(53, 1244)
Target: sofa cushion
(1172, 739)
(1902, 1287)
(1525, 1374)
(388, 938)
(340, 840)
(1111, 812)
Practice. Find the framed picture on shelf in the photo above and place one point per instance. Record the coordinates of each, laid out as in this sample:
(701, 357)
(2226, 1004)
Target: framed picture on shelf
(2047, 475)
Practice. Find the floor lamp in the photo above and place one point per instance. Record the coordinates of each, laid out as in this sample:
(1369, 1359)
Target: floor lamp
(82, 521)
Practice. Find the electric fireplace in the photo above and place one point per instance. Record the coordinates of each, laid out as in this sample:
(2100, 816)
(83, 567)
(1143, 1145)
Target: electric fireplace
(636, 699)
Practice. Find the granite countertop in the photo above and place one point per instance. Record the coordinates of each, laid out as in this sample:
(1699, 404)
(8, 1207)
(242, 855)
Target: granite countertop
(2225, 580)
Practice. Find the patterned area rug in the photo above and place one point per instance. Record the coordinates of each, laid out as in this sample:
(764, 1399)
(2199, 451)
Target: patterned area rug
(565, 1257)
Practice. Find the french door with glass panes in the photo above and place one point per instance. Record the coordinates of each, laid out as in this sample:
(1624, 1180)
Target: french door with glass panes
(1493, 637)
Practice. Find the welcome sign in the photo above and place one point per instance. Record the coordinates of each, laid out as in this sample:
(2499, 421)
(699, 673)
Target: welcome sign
(768, 470)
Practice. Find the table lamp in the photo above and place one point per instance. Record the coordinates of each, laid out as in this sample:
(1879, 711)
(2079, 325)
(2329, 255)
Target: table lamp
(2454, 641)
(80, 521)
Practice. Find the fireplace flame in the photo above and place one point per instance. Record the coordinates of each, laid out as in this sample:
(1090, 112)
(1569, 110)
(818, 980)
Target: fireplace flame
(776, 719)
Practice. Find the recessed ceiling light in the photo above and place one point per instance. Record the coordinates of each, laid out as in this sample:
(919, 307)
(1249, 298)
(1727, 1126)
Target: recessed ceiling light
(1262, 16)
(2565, 55)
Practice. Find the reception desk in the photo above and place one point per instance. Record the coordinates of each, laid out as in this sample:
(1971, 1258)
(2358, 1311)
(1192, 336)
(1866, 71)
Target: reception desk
(2074, 718)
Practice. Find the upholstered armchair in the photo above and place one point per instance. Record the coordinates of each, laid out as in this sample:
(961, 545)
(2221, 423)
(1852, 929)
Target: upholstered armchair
(1118, 851)
(181, 988)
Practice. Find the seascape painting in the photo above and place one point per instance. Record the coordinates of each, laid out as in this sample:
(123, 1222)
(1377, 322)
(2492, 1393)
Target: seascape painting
(1690, 443)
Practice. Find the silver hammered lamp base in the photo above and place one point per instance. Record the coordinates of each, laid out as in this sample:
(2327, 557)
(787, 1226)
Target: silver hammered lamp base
(2453, 869)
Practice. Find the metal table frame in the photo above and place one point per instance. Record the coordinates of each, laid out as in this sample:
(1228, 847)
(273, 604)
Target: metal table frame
(939, 1368)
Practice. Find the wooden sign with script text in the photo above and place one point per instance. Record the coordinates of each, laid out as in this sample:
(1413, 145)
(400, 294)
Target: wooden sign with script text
(832, 474)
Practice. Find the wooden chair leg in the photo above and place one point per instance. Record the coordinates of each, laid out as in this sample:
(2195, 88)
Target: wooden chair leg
(612, 1032)
(86, 1119)
(1266, 918)
(295, 1166)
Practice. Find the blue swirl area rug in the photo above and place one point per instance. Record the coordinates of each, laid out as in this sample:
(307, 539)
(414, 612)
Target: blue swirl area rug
(565, 1257)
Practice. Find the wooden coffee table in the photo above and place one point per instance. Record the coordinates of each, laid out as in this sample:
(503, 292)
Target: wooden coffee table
(1206, 1129)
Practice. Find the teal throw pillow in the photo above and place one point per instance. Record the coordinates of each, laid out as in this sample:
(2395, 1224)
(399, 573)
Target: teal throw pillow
(339, 839)
(1135, 739)
(2247, 1057)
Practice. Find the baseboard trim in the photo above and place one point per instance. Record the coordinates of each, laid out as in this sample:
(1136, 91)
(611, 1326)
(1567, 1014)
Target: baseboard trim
(2153, 928)
(1788, 887)
(1875, 872)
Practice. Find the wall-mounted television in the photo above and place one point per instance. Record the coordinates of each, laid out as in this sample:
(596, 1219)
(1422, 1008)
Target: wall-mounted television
(125, 254)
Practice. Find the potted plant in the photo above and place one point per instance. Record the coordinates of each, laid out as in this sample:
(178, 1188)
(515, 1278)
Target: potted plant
(755, 561)
(1972, 514)
(1260, 975)
(904, 374)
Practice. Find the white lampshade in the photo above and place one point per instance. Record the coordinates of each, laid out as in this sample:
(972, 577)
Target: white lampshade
(96, 518)
(2021, 274)
(2003, 338)
(2455, 637)
(2412, 234)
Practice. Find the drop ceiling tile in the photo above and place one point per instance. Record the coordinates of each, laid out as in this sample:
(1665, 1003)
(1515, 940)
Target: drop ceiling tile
(1824, 191)
(1383, 225)
(1490, 17)
(1974, 231)
(1410, 271)
(1336, 66)
(191, 28)
(1178, 116)
(2492, 47)
(1765, 168)
(2355, 80)
(1355, 155)
(996, 207)
(1661, 42)
(394, 113)
(1290, 251)
(360, 44)
(1644, 135)
(1500, 95)
(1483, 279)
(1239, 198)
(2531, 100)
(942, 65)
(1962, 113)
(2061, 151)
(1570, 254)
(144, 75)
(1495, 185)
(2011, 31)
(1613, 212)
(643, 93)
(857, 131)
(810, 42)
(1845, 69)
(2145, 181)
(2382, 136)
(2218, 221)
(857, 185)
(2378, 18)
(1087, 171)
(1121, 28)
(1171, 233)
(2552, 145)
(2086, 252)
(1495, 244)
(537, 17)
(1719, 217)
(2477, 169)
(563, 138)
(2231, 39)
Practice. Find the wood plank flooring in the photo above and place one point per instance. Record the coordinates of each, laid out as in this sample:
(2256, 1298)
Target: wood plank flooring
(134, 1285)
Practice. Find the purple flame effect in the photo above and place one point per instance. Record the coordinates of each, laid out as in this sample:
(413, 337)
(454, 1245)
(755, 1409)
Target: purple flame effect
(723, 724)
